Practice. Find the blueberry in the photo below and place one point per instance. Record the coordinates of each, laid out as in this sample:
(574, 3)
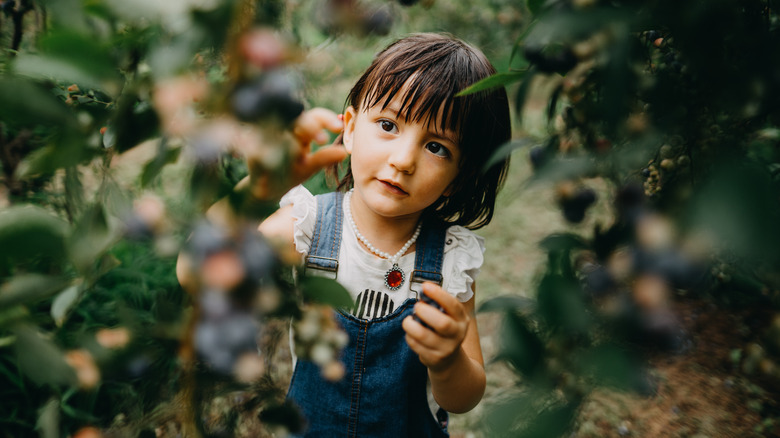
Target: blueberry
(257, 255)
(428, 300)
(206, 239)
(538, 156)
(652, 35)
(378, 21)
(271, 95)
(221, 343)
(554, 61)
(574, 207)
(598, 281)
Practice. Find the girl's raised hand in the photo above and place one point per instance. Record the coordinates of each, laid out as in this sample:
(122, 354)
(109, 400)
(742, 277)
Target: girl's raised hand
(312, 126)
(438, 344)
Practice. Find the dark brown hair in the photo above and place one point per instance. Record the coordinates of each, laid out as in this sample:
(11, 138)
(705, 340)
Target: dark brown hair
(437, 67)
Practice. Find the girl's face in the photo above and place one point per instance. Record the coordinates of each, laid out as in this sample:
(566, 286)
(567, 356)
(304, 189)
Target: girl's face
(399, 168)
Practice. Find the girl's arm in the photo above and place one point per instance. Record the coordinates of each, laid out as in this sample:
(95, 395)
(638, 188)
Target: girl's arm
(451, 350)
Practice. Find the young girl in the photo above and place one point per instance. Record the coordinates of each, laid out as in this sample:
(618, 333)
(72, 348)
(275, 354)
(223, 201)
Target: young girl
(397, 233)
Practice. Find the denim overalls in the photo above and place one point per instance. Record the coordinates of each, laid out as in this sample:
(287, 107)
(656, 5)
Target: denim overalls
(383, 392)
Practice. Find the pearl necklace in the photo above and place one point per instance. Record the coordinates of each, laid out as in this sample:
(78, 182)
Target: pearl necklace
(395, 276)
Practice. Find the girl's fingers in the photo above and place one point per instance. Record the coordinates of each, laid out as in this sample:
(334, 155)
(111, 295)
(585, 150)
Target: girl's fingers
(421, 335)
(449, 304)
(324, 157)
(443, 325)
(311, 125)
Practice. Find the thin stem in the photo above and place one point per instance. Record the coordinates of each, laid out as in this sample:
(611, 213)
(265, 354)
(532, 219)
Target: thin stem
(17, 17)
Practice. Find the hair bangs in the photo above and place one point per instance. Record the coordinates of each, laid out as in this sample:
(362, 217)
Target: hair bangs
(425, 84)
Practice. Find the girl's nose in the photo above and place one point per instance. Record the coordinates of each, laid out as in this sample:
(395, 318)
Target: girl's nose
(403, 156)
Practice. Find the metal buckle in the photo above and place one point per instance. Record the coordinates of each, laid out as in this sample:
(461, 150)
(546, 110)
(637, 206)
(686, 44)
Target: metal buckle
(310, 265)
(415, 280)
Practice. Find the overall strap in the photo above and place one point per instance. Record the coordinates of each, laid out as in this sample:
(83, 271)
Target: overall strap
(429, 255)
(326, 241)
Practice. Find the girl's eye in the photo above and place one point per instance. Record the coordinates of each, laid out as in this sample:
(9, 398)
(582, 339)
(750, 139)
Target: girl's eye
(387, 126)
(437, 149)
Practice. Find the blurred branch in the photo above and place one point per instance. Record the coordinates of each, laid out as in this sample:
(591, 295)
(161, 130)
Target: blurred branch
(11, 154)
(17, 16)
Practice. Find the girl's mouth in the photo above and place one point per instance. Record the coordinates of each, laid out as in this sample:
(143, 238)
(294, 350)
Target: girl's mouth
(393, 188)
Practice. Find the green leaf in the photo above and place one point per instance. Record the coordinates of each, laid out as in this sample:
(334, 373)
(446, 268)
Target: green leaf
(325, 291)
(153, 168)
(521, 347)
(64, 301)
(12, 315)
(31, 234)
(610, 366)
(27, 103)
(29, 288)
(66, 13)
(135, 120)
(43, 67)
(522, 92)
(66, 150)
(562, 305)
(508, 303)
(84, 52)
(552, 422)
(563, 242)
(503, 417)
(495, 81)
(506, 150)
(535, 6)
(40, 359)
(74, 190)
(91, 238)
(564, 169)
(49, 419)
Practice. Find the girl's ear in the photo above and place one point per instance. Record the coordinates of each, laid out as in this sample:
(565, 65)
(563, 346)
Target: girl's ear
(350, 117)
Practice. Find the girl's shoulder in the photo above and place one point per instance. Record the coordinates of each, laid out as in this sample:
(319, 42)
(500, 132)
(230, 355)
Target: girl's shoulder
(302, 207)
(463, 258)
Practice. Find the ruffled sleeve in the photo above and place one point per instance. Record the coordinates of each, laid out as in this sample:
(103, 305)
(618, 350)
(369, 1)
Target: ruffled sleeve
(463, 258)
(304, 211)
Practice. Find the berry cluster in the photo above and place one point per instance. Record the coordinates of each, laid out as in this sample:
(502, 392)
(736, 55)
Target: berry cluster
(319, 339)
(233, 277)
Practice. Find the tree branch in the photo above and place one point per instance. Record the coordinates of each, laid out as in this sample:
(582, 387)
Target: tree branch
(17, 17)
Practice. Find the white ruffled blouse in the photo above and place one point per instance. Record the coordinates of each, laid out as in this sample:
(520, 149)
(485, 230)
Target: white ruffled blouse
(362, 273)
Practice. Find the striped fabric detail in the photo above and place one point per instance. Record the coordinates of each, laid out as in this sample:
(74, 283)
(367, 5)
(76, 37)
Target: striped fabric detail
(371, 304)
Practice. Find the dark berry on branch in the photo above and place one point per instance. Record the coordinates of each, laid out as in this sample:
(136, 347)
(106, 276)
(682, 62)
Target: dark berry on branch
(538, 156)
(377, 21)
(257, 255)
(652, 35)
(221, 342)
(207, 239)
(272, 94)
(550, 61)
(630, 198)
(533, 53)
(574, 206)
(598, 281)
